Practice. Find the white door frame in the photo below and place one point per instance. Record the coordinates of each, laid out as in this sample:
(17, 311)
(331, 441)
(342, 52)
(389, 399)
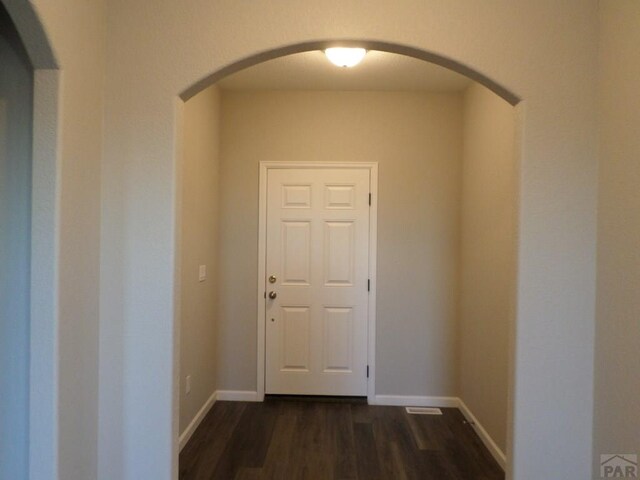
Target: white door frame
(262, 257)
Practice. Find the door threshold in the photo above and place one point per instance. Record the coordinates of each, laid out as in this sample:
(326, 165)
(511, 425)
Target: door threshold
(315, 398)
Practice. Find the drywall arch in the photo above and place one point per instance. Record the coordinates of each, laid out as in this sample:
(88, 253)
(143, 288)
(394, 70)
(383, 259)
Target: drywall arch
(409, 51)
(153, 59)
(43, 371)
(32, 34)
(248, 339)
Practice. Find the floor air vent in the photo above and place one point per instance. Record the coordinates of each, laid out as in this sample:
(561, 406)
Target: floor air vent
(423, 411)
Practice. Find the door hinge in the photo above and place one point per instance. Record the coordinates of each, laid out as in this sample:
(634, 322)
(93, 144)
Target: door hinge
(368, 285)
(369, 199)
(367, 371)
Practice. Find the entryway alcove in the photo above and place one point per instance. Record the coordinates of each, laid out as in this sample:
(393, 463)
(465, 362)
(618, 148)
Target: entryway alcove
(444, 273)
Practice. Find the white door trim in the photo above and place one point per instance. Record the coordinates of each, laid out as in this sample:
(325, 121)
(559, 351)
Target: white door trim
(262, 256)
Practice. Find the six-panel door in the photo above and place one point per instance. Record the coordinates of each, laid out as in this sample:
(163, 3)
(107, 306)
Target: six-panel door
(317, 257)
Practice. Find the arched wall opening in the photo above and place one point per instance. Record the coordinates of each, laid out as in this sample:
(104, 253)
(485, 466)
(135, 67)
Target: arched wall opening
(33, 444)
(468, 109)
(399, 49)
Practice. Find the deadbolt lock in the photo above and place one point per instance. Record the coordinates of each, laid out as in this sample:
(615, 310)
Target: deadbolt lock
(272, 279)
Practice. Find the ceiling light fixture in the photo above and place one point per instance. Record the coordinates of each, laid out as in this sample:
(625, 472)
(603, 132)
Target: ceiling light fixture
(345, 57)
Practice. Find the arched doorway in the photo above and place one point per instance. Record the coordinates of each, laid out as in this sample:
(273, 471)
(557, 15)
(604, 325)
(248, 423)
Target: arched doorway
(248, 395)
(424, 55)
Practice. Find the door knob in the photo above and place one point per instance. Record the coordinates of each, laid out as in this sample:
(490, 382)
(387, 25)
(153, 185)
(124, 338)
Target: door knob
(272, 295)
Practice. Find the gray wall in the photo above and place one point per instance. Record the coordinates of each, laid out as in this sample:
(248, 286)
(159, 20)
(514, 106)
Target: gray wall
(16, 118)
(487, 258)
(417, 140)
(199, 246)
(617, 389)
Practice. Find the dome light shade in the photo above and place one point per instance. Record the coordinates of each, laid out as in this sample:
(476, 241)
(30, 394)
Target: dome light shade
(345, 57)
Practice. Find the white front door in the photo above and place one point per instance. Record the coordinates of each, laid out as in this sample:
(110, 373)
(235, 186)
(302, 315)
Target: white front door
(317, 251)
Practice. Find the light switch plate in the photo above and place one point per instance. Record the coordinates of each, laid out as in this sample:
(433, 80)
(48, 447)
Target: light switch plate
(202, 273)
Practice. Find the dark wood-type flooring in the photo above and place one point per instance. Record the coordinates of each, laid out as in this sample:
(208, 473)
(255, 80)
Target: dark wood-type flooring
(294, 439)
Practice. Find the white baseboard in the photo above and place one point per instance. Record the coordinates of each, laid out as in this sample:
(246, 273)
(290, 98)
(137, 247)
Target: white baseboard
(238, 395)
(495, 451)
(186, 435)
(416, 401)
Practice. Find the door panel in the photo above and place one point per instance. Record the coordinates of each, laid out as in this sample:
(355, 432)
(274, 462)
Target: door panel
(338, 341)
(317, 246)
(296, 252)
(295, 339)
(339, 253)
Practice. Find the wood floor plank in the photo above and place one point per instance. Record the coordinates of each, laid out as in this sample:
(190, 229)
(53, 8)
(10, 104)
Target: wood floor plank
(339, 423)
(387, 444)
(311, 456)
(291, 439)
(466, 445)
(395, 467)
(250, 441)
(395, 427)
(363, 413)
(430, 432)
(199, 457)
(278, 456)
(245, 473)
(366, 454)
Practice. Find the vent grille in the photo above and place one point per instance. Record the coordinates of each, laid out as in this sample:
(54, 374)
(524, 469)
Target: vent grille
(423, 411)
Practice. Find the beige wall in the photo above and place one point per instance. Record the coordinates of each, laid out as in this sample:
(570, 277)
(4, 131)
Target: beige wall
(416, 140)
(199, 246)
(617, 390)
(487, 257)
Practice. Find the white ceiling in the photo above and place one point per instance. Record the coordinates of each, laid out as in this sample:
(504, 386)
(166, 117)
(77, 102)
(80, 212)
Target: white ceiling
(378, 71)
